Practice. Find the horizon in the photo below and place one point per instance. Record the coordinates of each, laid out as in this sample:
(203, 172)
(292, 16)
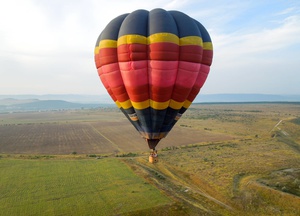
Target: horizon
(105, 98)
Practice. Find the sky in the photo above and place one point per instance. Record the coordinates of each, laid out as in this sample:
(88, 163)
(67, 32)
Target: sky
(47, 47)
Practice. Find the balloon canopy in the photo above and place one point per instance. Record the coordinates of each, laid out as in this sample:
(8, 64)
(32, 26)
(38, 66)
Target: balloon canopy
(153, 64)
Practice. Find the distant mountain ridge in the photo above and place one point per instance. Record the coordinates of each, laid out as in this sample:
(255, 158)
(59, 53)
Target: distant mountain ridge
(15, 103)
(105, 98)
(76, 98)
(19, 105)
(246, 98)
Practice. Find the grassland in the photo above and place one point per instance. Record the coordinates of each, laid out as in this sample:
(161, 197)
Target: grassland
(220, 159)
(73, 187)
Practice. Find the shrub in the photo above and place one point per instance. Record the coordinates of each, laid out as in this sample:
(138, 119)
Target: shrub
(92, 155)
(127, 155)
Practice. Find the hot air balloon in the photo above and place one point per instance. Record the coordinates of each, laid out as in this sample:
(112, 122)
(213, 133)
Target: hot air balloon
(153, 64)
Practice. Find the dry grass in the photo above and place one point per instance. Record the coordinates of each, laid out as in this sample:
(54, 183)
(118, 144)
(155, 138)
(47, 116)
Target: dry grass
(217, 160)
(222, 168)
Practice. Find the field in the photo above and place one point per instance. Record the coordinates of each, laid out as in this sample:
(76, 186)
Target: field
(220, 159)
(84, 132)
(73, 187)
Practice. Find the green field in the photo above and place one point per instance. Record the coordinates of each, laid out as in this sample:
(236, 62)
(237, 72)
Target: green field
(219, 159)
(73, 187)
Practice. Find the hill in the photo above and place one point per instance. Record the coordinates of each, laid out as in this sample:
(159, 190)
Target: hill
(207, 98)
(21, 103)
(201, 98)
(74, 98)
(16, 105)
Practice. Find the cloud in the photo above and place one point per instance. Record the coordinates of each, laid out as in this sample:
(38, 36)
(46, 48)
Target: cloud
(258, 61)
(260, 42)
(47, 46)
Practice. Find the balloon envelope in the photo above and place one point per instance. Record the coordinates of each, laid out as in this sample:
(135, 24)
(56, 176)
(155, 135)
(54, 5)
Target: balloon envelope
(153, 64)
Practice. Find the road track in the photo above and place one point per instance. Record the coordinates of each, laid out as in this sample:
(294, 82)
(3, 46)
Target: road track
(177, 186)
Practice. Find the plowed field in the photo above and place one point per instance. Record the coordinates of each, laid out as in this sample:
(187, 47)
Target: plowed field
(85, 132)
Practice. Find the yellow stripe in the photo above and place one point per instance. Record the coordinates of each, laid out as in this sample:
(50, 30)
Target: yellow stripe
(191, 40)
(107, 44)
(96, 51)
(150, 103)
(125, 105)
(130, 39)
(187, 104)
(118, 104)
(207, 46)
(175, 105)
(154, 38)
(163, 37)
(153, 104)
(159, 105)
(141, 105)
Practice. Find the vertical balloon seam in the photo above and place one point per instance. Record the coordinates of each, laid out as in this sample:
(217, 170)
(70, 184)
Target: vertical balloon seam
(178, 115)
(148, 75)
(132, 39)
(187, 102)
(143, 132)
(170, 107)
(184, 40)
(207, 46)
(164, 37)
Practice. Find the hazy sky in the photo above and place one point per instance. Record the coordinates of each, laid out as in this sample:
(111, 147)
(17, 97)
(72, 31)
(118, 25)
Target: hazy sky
(47, 47)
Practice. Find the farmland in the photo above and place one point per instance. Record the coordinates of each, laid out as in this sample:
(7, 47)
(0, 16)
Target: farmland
(58, 187)
(220, 159)
(84, 132)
